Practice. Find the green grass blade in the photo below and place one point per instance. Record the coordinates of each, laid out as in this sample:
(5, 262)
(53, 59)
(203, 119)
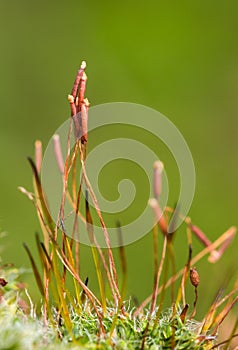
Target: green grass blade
(35, 271)
(45, 210)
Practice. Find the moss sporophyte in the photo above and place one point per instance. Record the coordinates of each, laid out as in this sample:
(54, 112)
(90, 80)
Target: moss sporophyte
(106, 318)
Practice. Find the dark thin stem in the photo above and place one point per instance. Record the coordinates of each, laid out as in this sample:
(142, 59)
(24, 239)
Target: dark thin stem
(106, 236)
(195, 303)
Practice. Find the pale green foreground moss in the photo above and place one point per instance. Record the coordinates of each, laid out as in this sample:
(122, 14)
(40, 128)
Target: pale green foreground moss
(24, 330)
(21, 332)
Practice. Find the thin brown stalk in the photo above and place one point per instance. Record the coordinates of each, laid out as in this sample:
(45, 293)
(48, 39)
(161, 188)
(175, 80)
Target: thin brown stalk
(228, 296)
(158, 169)
(60, 218)
(123, 262)
(187, 266)
(156, 265)
(75, 229)
(170, 236)
(84, 121)
(87, 291)
(208, 320)
(227, 242)
(106, 236)
(172, 259)
(72, 105)
(110, 279)
(61, 165)
(197, 258)
(215, 255)
(77, 257)
(53, 240)
(227, 342)
(155, 290)
(76, 200)
(155, 293)
(124, 279)
(232, 335)
(160, 219)
(90, 231)
(222, 315)
(63, 258)
(201, 235)
(181, 291)
(74, 177)
(81, 91)
(162, 287)
(64, 192)
(58, 153)
(158, 275)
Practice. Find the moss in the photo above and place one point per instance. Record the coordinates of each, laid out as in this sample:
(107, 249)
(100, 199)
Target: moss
(21, 328)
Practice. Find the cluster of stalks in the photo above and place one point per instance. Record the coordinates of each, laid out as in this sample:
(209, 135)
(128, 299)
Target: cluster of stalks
(59, 250)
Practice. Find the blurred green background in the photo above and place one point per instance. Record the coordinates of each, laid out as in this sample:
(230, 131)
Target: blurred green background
(177, 57)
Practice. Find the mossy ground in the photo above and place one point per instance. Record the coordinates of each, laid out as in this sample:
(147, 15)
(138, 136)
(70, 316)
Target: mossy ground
(21, 328)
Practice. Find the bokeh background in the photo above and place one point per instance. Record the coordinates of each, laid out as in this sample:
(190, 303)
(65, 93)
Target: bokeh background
(177, 57)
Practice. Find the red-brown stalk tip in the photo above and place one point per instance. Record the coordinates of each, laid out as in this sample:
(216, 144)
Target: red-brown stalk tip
(38, 155)
(58, 153)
